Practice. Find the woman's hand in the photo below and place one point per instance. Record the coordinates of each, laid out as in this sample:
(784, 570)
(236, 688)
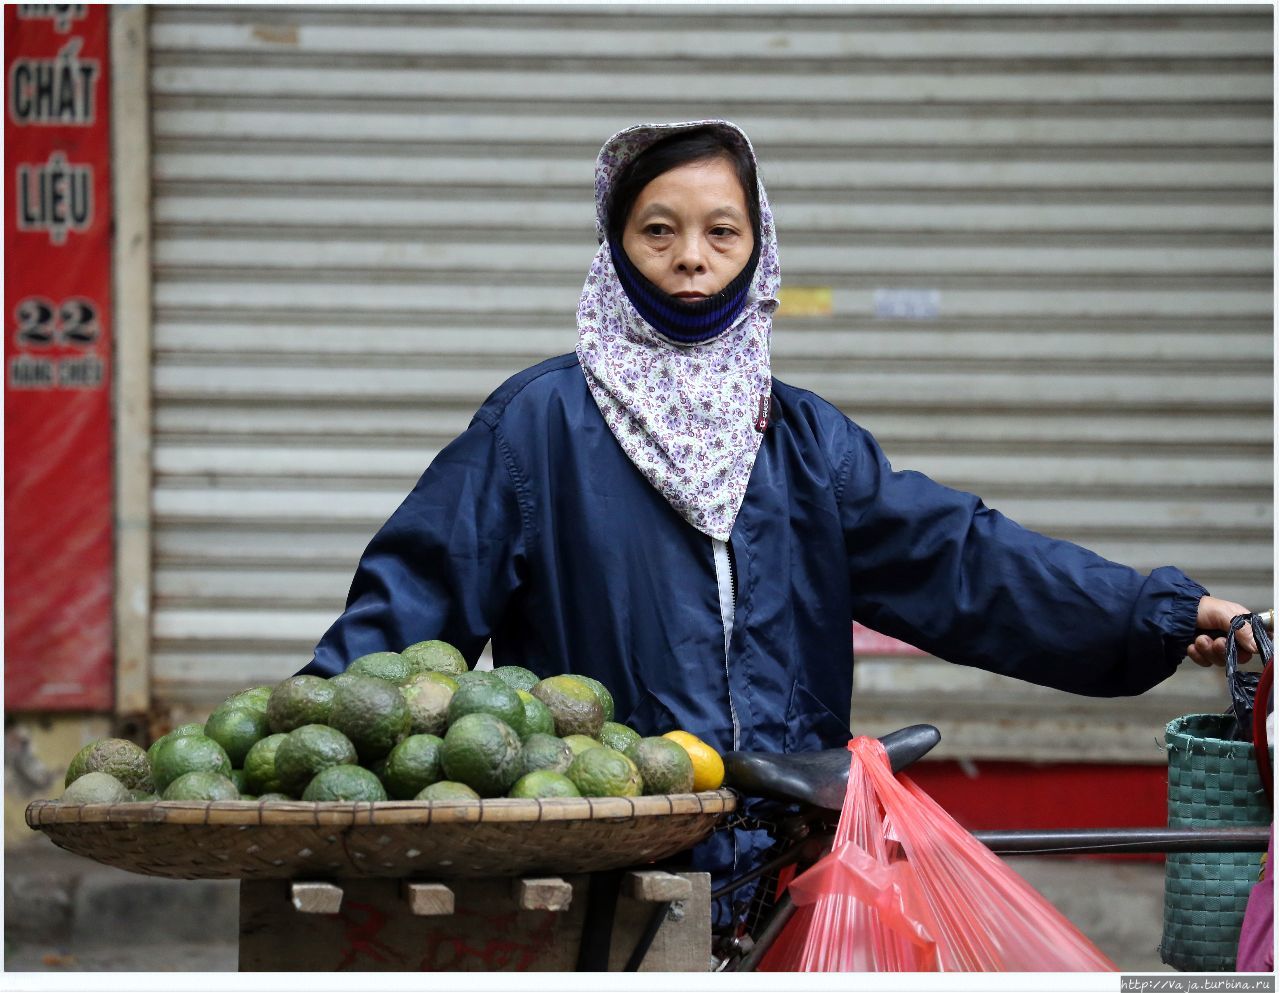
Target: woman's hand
(1215, 615)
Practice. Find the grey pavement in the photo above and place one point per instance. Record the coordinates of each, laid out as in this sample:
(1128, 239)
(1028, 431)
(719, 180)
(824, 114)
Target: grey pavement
(64, 913)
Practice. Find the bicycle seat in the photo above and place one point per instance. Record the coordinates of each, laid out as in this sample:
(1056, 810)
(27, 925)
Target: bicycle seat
(819, 778)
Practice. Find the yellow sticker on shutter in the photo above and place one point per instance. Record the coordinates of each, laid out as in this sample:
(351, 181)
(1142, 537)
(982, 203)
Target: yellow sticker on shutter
(804, 301)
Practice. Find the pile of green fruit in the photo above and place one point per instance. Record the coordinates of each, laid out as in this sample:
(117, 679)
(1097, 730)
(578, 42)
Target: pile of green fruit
(410, 725)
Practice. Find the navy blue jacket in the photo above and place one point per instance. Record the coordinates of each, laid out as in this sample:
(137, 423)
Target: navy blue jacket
(534, 529)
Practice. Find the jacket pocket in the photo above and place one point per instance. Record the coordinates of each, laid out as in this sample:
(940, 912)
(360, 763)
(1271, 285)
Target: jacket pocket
(651, 717)
(810, 725)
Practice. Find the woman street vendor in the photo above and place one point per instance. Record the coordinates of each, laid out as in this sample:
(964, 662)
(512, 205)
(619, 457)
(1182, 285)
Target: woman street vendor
(658, 512)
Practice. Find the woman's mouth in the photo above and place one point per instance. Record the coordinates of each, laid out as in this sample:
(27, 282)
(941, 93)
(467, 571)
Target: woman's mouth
(689, 295)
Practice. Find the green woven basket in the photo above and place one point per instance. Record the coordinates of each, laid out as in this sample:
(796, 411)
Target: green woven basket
(1213, 782)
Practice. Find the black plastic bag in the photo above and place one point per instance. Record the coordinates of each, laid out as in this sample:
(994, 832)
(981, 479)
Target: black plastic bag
(1244, 685)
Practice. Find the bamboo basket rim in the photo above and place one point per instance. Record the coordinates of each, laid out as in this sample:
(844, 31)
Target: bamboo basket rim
(278, 813)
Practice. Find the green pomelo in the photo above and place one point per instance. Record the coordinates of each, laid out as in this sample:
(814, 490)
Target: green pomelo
(391, 666)
(236, 729)
(619, 737)
(306, 752)
(579, 743)
(545, 751)
(117, 757)
(428, 703)
(483, 752)
(300, 700)
(517, 676)
(665, 767)
(412, 766)
(372, 714)
(488, 697)
(255, 698)
(574, 706)
(192, 753)
(275, 798)
(430, 676)
(537, 718)
(348, 783)
(604, 772)
(543, 783)
(448, 790)
(96, 787)
(181, 731)
(601, 691)
(437, 656)
(201, 786)
(260, 765)
(474, 676)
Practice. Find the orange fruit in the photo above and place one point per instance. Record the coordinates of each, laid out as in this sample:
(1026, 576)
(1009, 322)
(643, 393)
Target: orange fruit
(708, 768)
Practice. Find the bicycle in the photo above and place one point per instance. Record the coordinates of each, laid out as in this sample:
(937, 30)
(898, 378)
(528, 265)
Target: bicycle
(815, 784)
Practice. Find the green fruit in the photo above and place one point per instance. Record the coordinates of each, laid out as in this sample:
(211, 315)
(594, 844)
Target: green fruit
(96, 787)
(391, 666)
(236, 729)
(181, 731)
(117, 757)
(665, 767)
(544, 751)
(574, 706)
(474, 676)
(431, 676)
(483, 752)
(342, 678)
(201, 786)
(306, 752)
(579, 743)
(447, 790)
(372, 714)
(604, 772)
(300, 700)
(543, 783)
(602, 694)
(537, 718)
(412, 766)
(238, 781)
(516, 676)
(488, 697)
(428, 703)
(260, 765)
(619, 737)
(193, 753)
(254, 698)
(347, 783)
(274, 798)
(437, 656)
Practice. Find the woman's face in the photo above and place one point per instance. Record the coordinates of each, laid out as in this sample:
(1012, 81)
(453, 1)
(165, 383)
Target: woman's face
(689, 232)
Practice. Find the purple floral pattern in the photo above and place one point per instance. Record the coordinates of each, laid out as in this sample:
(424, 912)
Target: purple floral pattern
(684, 414)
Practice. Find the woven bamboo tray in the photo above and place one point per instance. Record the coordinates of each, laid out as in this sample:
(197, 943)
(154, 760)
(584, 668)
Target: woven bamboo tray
(458, 839)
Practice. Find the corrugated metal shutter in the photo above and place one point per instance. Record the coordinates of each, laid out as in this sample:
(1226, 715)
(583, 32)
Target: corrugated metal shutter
(1046, 233)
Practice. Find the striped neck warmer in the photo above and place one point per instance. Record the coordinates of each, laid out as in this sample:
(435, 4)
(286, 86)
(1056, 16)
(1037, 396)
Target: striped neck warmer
(686, 321)
(684, 390)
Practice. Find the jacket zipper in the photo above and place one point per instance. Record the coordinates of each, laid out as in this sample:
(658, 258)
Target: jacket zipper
(726, 585)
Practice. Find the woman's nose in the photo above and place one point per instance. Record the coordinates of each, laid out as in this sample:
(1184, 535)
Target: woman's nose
(689, 258)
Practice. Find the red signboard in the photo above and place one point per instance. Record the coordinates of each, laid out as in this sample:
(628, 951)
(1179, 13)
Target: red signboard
(57, 352)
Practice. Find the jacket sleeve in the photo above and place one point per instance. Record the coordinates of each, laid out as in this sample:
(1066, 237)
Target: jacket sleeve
(443, 566)
(936, 568)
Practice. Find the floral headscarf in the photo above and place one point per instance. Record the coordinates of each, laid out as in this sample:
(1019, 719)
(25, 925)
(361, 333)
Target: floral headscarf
(690, 417)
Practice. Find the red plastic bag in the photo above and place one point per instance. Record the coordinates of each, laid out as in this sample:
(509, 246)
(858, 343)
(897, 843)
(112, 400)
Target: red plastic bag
(907, 889)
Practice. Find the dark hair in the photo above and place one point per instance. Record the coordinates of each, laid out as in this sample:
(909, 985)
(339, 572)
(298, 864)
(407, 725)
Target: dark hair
(709, 141)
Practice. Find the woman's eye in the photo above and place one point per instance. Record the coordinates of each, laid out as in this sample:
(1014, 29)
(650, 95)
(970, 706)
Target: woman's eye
(723, 232)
